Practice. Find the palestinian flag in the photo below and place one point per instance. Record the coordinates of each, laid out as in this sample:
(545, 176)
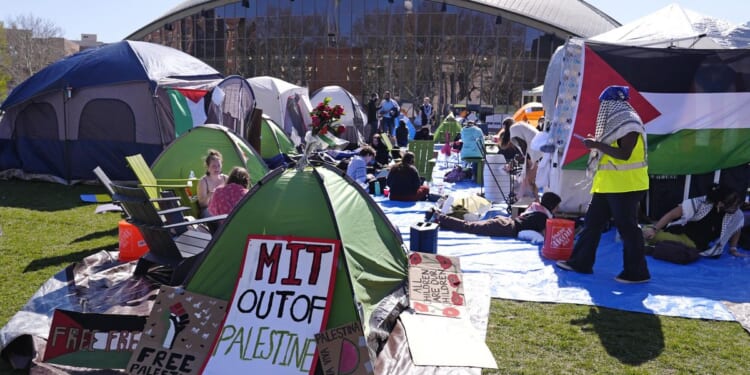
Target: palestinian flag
(188, 108)
(695, 104)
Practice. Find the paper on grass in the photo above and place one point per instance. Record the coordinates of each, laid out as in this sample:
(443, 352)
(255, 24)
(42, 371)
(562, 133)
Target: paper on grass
(441, 341)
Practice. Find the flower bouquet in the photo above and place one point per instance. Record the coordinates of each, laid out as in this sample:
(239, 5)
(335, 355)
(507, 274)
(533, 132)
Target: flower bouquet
(325, 127)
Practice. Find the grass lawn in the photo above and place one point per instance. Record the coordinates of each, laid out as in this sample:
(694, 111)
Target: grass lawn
(45, 227)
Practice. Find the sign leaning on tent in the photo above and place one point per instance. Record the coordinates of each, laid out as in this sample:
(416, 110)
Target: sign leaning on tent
(281, 300)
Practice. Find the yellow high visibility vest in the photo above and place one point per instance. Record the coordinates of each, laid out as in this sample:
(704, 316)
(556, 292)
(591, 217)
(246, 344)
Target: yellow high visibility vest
(621, 176)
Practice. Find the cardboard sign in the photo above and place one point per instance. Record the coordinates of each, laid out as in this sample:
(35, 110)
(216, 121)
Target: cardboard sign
(179, 333)
(436, 285)
(92, 340)
(343, 350)
(281, 300)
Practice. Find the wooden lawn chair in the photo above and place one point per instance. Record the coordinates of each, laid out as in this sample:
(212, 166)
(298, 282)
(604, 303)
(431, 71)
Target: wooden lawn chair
(424, 157)
(155, 188)
(174, 245)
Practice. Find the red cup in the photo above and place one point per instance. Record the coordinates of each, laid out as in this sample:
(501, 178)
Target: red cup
(386, 191)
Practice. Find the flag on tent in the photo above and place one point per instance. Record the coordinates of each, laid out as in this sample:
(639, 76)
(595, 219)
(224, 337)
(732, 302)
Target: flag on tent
(695, 104)
(188, 108)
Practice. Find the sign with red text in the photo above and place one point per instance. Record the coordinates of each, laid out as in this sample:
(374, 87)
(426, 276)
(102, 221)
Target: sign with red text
(92, 340)
(281, 300)
(179, 333)
(436, 285)
(343, 351)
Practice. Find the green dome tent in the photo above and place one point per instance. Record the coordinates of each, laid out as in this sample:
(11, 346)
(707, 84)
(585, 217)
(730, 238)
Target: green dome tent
(188, 152)
(316, 203)
(273, 140)
(448, 125)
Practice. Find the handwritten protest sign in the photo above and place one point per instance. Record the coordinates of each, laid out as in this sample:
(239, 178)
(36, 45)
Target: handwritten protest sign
(92, 340)
(436, 285)
(343, 350)
(178, 334)
(281, 300)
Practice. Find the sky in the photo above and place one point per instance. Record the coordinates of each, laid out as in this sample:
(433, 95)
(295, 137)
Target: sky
(114, 20)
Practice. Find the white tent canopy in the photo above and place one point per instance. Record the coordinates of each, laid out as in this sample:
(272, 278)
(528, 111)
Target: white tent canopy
(354, 118)
(285, 103)
(671, 26)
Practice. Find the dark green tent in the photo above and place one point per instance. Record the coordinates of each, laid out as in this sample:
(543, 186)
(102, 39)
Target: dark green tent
(188, 152)
(320, 202)
(273, 140)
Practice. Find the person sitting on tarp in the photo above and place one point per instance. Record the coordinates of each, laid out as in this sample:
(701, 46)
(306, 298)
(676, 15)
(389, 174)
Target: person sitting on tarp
(423, 134)
(534, 219)
(227, 196)
(357, 168)
(382, 154)
(696, 222)
(404, 181)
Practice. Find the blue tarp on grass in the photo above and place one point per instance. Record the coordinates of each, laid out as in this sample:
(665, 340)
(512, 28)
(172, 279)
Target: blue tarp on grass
(519, 272)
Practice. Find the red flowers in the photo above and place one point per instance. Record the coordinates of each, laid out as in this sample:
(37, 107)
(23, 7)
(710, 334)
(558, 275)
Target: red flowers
(324, 116)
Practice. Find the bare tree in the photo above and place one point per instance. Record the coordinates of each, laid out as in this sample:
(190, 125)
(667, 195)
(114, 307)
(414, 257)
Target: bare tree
(4, 60)
(30, 46)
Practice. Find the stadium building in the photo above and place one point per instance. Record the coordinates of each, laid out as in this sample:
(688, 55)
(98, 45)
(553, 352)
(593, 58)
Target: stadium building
(478, 53)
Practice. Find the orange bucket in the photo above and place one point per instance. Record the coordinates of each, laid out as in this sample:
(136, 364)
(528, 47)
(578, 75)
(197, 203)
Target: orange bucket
(558, 239)
(132, 245)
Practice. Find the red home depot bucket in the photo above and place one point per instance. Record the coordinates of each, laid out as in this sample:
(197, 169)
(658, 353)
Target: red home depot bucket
(132, 245)
(558, 239)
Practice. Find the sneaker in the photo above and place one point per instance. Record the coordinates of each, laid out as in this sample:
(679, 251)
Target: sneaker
(628, 280)
(568, 267)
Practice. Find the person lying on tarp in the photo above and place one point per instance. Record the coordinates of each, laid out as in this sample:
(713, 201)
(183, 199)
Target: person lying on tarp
(699, 221)
(534, 219)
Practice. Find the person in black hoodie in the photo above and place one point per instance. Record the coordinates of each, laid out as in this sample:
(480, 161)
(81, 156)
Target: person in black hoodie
(382, 155)
(402, 134)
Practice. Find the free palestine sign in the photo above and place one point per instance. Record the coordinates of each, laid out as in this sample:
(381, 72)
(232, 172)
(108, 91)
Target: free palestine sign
(281, 300)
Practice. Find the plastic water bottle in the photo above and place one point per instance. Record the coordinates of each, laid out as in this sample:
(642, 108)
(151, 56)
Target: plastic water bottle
(189, 188)
(377, 187)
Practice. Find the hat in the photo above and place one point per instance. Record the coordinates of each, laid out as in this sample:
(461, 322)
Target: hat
(550, 200)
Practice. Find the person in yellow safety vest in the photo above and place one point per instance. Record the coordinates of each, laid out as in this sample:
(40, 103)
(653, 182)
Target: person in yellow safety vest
(619, 162)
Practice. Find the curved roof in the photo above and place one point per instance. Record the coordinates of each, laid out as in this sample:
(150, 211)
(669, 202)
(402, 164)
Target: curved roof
(563, 18)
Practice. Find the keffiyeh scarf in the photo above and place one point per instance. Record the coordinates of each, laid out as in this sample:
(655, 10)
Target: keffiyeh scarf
(697, 208)
(615, 119)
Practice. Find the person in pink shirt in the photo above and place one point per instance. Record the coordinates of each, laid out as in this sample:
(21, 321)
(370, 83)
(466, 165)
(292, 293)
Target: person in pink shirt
(226, 197)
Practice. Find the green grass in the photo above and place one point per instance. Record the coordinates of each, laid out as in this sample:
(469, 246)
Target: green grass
(45, 228)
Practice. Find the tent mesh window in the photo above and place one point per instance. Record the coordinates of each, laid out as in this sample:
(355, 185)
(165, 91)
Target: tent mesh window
(39, 122)
(107, 120)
